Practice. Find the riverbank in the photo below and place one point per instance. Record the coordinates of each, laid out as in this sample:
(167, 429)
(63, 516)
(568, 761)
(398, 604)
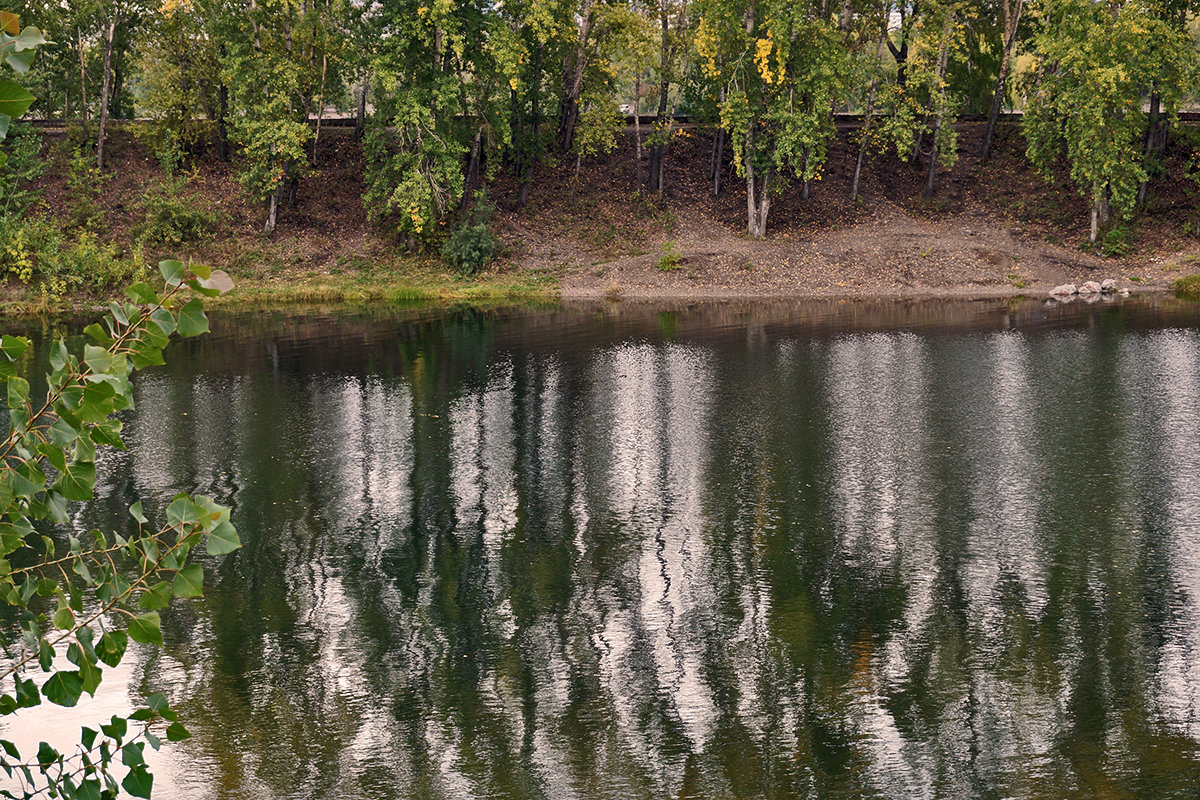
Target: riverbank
(995, 230)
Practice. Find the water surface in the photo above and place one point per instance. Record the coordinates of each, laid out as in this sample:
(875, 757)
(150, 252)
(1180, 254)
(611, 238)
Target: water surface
(837, 550)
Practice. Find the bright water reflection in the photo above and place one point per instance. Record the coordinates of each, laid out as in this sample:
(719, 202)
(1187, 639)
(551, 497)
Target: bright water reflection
(487, 556)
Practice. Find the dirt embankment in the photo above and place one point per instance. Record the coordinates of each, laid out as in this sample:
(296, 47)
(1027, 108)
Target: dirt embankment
(992, 230)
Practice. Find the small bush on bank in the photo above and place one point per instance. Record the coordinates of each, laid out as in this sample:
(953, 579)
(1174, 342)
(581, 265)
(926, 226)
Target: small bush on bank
(1188, 287)
(668, 258)
(85, 181)
(39, 254)
(1116, 242)
(173, 216)
(471, 245)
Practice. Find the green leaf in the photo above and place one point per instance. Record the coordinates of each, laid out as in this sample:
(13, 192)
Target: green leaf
(64, 618)
(200, 271)
(28, 39)
(99, 334)
(88, 738)
(62, 433)
(13, 346)
(196, 286)
(146, 628)
(100, 360)
(63, 688)
(108, 433)
(91, 675)
(47, 755)
(159, 705)
(172, 272)
(182, 512)
(59, 356)
(131, 755)
(222, 536)
(11, 749)
(111, 647)
(21, 61)
(27, 479)
(14, 99)
(76, 481)
(159, 596)
(116, 728)
(84, 637)
(142, 293)
(135, 511)
(89, 789)
(177, 733)
(18, 392)
(192, 321)
(189, 582)
(164, 326)
(27, 693)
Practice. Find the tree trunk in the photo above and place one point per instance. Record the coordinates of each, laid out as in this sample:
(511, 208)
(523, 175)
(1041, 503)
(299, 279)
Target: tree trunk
(273, 211)
(1152, 125)
(758, 193)
(637, 127)
(530, 155)
(807, 186)
(751, 203)
(222, 128)
(360, 120)
(943, 58)
(472, 182)
(1011, 21)
(660, 121)
(575, 177)
(573, 82)
(105, 86)
(320, 107)
(83, 111)
(718, 160)
(866, 128)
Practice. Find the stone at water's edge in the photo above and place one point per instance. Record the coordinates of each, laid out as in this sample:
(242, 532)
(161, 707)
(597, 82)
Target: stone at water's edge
(1066, 290)
(1108, 285)
(1091, 287)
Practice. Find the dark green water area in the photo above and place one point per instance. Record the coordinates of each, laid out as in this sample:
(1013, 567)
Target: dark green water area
(816, 550)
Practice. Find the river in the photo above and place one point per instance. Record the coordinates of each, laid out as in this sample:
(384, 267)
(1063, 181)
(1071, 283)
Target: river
(834, 550)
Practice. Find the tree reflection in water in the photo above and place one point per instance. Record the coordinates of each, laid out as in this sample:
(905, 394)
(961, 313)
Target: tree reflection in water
(490, 557)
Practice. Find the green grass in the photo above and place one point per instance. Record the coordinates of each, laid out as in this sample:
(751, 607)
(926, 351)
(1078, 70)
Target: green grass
(1188, 287)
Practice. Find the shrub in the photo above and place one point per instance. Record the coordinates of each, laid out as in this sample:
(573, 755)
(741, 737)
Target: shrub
(668, 258)
(1188, 287)
(1116, 242)
(172, 216)
(471, 245)
(84, 180)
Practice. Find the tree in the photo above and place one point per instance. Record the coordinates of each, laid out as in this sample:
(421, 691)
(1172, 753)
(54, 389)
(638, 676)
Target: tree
(921, 106)
(179, 70)
(70, 590)
(442, 77)
(780, 64)
(1094, 64)
(1010, 14)
(263, 70)
(89, 594)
